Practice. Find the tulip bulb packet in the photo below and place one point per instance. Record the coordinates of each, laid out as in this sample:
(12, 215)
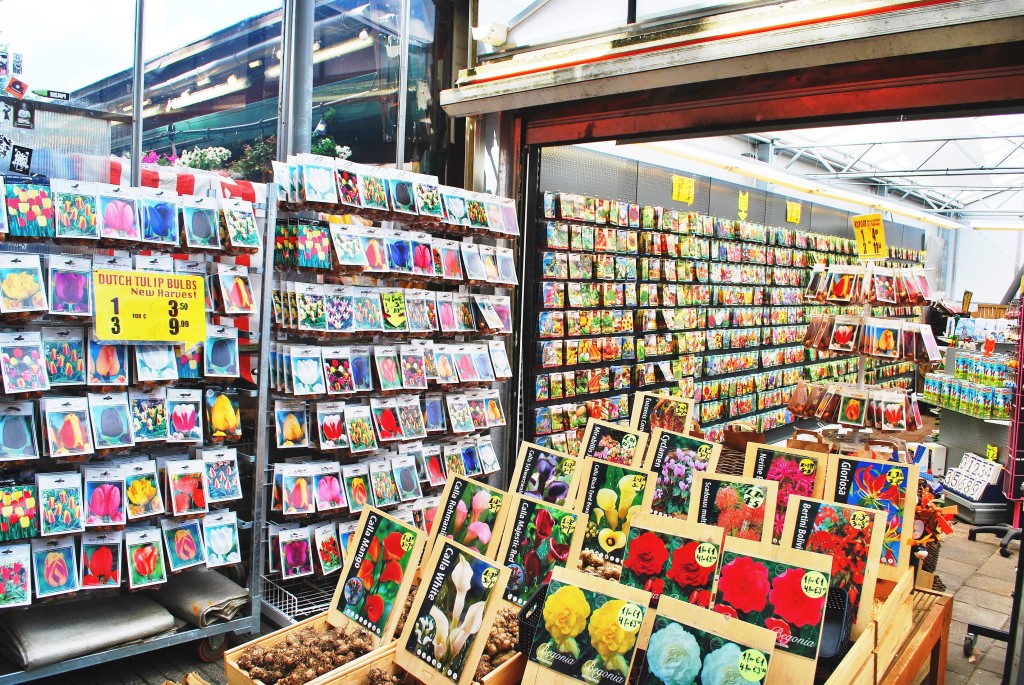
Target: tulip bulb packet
(118, 214)
(148, 413)
(220, 352)
(454, 464)
(104, 497)
(297, 489)
(198, 222)
(307, 371)
(238, 226)
(672, 557)
(359, 428)
(292, 424)
(20, 520)
(410, 417)
(223, 416)
(183, 541)
(330, 418)
(852, 536)
(783, 590)
(382, 484)
(388, 373)
(407, 479)
(60, 503)
(886, 486)
(155, 364)
(186, 487)
(22, 363)
(220, 531)
(744, 507)
(100, 560)
(296, 549)
(223, 483)
(15, 568)
(471, 514)
(539, 539)
(674, 458)
(111, 423)
(686, 641)
(107, 364)
(70, 292)
(21, 285)
(185, 412)
(432, 465)
(798, 472)
(64, 355)
(17, 433)
(235, 290)
(546, 474)
(145, 554)
(54, 566)
(76, 209)
(612, 616)
(328, 548)
(609, 495)
(377, 575)
(357, 486)
(328, 486)
(158, 216)
(142, 487)
(454, 609)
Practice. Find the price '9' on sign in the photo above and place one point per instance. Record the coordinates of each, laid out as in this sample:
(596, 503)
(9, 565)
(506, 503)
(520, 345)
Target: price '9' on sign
(149, 307)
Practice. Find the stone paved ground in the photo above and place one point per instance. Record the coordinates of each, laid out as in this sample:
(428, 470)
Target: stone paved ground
(982, 583)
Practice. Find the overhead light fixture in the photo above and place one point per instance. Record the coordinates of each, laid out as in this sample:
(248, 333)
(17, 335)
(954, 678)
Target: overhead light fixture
(187, 99)
(232, 79)
(255, 63)
(765, 172)
(364, 35)
(339, 50)
(984, 225)
(202, 82)
(494, 34)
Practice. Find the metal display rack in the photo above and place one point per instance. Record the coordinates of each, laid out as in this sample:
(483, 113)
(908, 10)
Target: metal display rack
(250, 453)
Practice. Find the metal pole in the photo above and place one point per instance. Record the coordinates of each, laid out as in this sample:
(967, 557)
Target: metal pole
(284, 82)
(302, 76)
(403, 83)
(138, 86)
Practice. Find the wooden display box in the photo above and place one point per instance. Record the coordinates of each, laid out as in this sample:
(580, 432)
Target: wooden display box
(509, 673)
(352, 673)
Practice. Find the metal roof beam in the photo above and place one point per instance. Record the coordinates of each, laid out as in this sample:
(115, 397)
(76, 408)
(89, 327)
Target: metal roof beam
(900, 141)
(922, 173)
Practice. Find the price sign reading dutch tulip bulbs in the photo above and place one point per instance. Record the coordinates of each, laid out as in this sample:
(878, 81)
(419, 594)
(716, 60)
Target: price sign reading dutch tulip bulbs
(150, 307)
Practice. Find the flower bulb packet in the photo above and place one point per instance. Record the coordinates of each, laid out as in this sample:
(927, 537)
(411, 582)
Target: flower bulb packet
(17, 438)
(111, 422)
(297, 489)
(433, 413)
(611, 615)
(330, 417)
(118, 215)
(456, 602)
(105, 502)
(70, 286)
(798, 472)
(348, 249)
(471, 514)
(64, 353)
(539, 541)
(307, 371)
(220, 532)
(100, 560)
(612, 442)
(377, 575)
(223, 483)
(328, 486)
(360, 431)
(744, 507)
(75, 210)
(155, 363)
(357, 486)
(183, 541)
(235, 290)
(186, 487)
(54, 566)
(199, 223)
(239, 231)
(608, 496)
(148, 415)
(368, 312)
(327, 548)
(185, 416)
(407, 479)
(223, 415)
(106, 364)
(143, 490)
(67, 426)
(309, 299)
(291, 421)
(410, 417)
(21, 286)
(388, 367)
(346, 176)
(383, 487)
(220, 352)
(674, 458)
(158, 216)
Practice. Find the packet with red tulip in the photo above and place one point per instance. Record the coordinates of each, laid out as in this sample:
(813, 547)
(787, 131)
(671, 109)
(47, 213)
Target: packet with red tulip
(54, 567)
(330, 418)
(186, 488)
(15, 570)
(297, 489)
(845, 334)
(327, 548)
(146, 564)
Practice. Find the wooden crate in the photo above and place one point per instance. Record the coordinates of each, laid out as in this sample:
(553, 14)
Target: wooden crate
(990, 311)
(858, 666)
(893, 620)
(352, 673)
(509, 673)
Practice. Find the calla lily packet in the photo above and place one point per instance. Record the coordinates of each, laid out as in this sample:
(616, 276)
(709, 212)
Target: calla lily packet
(220, 532)
(100, 560)
(471, 514)
(145, 554)
(609, 496)
(540, 539)
(183, 541)
(54, 566)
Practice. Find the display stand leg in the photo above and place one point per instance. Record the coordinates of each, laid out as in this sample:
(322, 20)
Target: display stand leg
(1008, 532)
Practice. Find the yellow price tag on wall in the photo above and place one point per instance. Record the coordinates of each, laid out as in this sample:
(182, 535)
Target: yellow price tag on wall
(793, 212)
(683, 189)
(870, 231)
(992, 452)
(149, 307)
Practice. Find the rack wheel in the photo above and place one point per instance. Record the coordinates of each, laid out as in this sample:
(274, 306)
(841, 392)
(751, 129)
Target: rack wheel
(970, 640)
(211, 649)
(1004, 552)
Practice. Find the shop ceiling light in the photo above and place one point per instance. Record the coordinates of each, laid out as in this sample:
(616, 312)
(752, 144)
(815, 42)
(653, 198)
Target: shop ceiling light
(255, 63)
(984, 225)
(765, 172)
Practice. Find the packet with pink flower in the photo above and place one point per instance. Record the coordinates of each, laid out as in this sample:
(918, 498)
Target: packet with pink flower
(472, 514)
(327, 486)
(798, 472)
(222, 479)
(104, 497)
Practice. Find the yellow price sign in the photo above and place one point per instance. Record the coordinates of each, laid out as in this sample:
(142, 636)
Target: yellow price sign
(743, 204)
(870, 231)
(793, 211)
(992, 452)
(150, 307)
(683, 189)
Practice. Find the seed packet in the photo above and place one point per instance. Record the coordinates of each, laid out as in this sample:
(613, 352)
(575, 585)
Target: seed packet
(291, 423)
(373, 190)
(742, 506)
(382, 484)
(359, 427)
(388, 368)
(220, 532)
(75, 205)
(357, 486)
(54, 567)
(186, 487)
(448, 255)
(64, 355)
(422, 255)
(185, 413)
(21, 517)
(158, 216)
(331, 425)
(367, 310)
(220, 352)
(398, 249)
(328, 487)
(459, 413)
(60, 503)
(223, 483)
(348, 249)
(433, 411)
(464, 319)
(107, 364)
(118, 214)
(21, 285)
(238, 227)
(374, 250)
(406, 478)
(428, 200)
(328, 549)
(67, 426)
(223, 415)
(184, 543)
(197, 217)
(410, 417)
(297, 489)
(235, 291)
(70, 291)
(111, 423)
(385, 419)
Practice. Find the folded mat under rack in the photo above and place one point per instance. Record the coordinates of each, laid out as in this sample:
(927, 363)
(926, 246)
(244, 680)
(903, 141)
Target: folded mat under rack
(202, 597)
(47, 633)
